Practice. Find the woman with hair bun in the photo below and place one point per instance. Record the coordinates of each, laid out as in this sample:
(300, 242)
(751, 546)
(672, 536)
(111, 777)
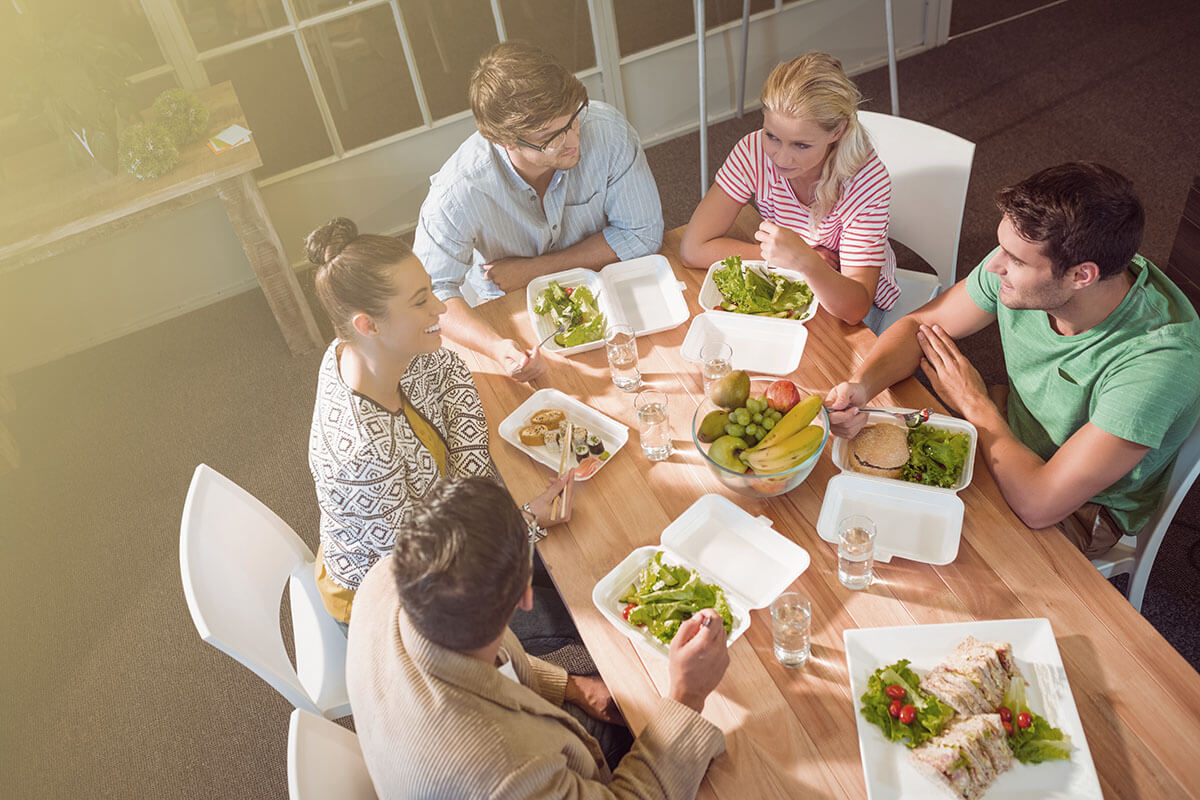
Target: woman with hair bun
(823, 193)
(395, 411)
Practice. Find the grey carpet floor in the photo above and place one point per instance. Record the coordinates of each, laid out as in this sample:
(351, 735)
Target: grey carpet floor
(108, 690)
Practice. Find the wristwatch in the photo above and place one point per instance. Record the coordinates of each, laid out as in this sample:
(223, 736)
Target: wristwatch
(536, 532)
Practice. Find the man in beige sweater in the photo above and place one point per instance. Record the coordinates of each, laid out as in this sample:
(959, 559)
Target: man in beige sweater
(448, 704)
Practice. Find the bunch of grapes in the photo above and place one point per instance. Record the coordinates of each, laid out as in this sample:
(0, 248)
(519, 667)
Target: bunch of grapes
(753, 421)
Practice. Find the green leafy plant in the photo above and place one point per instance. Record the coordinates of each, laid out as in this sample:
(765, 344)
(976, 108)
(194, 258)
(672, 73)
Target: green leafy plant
(73, 79)
(182, 114)
(148, 150)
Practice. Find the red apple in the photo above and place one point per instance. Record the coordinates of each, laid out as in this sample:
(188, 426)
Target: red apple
(782, 395)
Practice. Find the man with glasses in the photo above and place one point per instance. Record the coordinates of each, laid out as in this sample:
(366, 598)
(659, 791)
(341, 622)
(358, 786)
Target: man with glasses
(448, 704)
(550, 181)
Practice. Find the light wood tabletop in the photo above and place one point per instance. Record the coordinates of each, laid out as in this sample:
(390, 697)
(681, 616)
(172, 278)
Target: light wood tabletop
(791, 733)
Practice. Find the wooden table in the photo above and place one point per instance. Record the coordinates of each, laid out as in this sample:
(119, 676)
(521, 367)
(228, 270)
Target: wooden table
(791, 733)
(51, 215)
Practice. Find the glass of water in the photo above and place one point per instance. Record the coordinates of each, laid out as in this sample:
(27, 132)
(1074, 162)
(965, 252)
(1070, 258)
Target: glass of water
(791, 624)
(654, 425)
(716, 360)
(856, 551)
(620, 344)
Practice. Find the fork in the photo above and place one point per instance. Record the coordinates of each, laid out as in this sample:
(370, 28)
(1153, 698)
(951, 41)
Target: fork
(911, 419)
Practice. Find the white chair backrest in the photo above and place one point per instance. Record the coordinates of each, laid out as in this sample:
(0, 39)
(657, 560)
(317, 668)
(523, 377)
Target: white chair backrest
(324, 761)
(236, 556)
(930, 169)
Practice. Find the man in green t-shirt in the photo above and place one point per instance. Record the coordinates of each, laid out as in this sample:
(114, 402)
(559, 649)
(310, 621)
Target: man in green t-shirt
(1100, 348)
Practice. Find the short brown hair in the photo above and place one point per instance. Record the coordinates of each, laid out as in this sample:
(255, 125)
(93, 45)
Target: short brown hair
(1079, 211)
(354, 272)
(517, 88)
(462, 562)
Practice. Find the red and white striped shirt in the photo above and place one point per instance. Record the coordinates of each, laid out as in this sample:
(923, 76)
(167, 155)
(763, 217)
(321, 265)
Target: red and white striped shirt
(855, 228)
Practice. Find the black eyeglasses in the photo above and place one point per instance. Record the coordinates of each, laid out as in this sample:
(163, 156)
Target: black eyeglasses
(556, 140)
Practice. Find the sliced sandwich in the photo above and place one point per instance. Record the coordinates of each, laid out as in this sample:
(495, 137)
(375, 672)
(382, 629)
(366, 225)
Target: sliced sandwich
(974, 678)
(967, 756)
(880, 450)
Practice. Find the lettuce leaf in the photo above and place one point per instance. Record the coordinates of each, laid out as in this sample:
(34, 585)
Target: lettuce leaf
(936, 456)
(932, 714)
(665, 595)
(746, 291)
(1040, 741)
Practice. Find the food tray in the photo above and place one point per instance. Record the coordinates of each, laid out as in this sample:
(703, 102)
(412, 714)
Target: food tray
(758, 344)
(642, 293)
(742, 554)
(710, 295)
(921, 526)
(612, 432)
(886, 767)
(841, 449)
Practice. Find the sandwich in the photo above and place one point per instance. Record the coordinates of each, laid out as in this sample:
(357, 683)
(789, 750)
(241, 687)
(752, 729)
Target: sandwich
(974, 678)
(879, 450)
(967, 756)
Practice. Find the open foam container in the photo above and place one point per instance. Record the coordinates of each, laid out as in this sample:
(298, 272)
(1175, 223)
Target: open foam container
(740, 553)
(758, 343)
(642, 293)
(913, 521)
(710, 295)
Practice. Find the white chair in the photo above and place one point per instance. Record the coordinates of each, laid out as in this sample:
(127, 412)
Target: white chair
(324, 760)
(236, 555)
(1134, 556)
(930, 170)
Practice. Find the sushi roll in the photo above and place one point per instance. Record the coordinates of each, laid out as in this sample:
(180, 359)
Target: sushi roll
(579, 436)
(595, 445)
(581, 452)
(553, 440)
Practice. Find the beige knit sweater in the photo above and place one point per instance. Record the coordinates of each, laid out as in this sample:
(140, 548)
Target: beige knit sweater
(434, 723)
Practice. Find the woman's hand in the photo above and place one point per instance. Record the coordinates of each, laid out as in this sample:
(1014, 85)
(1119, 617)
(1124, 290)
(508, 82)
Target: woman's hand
(521, 365)
(542, 505)
(782, 247)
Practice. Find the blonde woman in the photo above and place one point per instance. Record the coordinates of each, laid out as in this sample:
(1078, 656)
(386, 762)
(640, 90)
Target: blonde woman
(395, 411)
(823, 194)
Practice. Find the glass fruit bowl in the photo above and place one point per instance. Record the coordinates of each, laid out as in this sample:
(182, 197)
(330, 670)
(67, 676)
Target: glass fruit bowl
(756, 484)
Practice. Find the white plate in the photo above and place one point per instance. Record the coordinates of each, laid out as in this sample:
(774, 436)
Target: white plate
(841, 449)
(612, 432)
(642, 293)
(726, 546)
(758, 344)
(886, 766)
(921, 526)
(710, 295)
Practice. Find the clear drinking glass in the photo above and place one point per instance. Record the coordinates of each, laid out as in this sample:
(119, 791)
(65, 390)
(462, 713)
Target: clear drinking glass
(653, 424)
(856, 551)
(716, 359)
(620, 344)
(791, 624)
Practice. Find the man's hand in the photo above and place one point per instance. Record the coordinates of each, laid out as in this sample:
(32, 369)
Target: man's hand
(959, 384)
(521, 365)
(781, 247)
(590, 693)
(543, 504)
(511, 273)
(698, 658)
(843, 403)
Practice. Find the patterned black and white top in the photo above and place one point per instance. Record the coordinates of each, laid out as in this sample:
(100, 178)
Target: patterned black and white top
(368, 465)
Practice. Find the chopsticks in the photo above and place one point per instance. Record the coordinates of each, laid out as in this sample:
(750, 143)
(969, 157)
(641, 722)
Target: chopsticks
(568, 434)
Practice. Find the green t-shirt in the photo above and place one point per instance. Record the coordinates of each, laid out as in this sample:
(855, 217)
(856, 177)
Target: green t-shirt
(1136, 375)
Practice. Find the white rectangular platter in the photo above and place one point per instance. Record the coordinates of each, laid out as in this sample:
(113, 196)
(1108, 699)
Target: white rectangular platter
(886, 767)
(613, 433)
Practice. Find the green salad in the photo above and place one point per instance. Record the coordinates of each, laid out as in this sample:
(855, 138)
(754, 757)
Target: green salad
(747, 291)
(664, 596)
(931, 714)
(936, 457)
(1036, 741)
(576, 306)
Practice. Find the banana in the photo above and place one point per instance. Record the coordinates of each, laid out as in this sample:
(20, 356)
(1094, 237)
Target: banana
(786, 454)
(803, 413)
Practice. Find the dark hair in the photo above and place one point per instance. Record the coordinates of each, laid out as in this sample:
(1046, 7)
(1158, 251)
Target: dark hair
(516, 88)
(354, 272)
(1079, 212)
(462, 562)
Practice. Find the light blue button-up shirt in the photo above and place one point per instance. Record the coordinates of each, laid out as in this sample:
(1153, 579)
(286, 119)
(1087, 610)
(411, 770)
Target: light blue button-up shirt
(480, 210)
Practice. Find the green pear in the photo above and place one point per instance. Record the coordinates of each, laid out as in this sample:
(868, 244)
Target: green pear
(725, 450)
(713, 426)
(732, 391)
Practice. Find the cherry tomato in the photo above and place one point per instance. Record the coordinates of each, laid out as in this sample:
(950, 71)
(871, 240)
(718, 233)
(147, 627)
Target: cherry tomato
(1024, 720)
(1005, 713)
(908, 714)
(567, 291)
(628, 608)
(1007, 727)
(894, 708)
(717, 308)
(895, 692)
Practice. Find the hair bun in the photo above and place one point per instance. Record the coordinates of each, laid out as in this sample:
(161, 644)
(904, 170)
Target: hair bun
(327, 242)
